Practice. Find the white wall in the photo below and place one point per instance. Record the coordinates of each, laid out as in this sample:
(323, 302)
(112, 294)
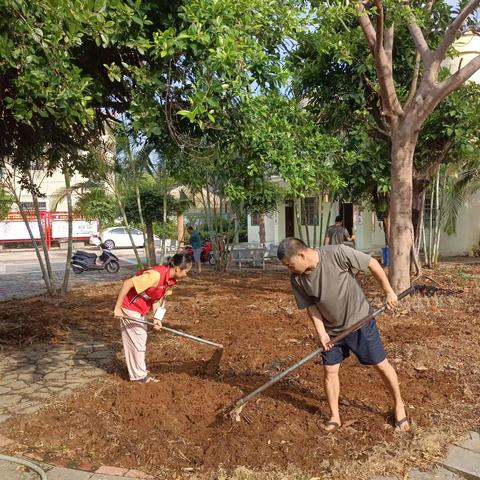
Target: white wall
(369, 233)
(468, 47)
(271, 229)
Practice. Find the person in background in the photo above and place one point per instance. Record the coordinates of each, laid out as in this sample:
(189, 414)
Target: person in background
(196, 243)
(337, 234)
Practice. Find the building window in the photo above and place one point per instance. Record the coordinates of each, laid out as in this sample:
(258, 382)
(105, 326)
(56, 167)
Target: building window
(255, 219)
(29, 206)
(309, 211)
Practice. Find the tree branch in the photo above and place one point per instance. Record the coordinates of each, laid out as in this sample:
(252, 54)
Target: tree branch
(457, 79)
(419, 40)
(383, 63)
(389, 34)
(366, 25)
(414, 82)
(379, 28)
(454, 28)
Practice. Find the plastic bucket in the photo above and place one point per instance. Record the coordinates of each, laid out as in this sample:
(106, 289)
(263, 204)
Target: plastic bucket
(385, 256)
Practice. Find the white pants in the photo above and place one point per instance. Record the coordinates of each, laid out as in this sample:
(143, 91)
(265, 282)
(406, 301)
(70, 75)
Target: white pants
(134, 338)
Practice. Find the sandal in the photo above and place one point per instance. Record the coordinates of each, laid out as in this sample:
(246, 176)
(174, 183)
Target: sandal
(330, 423)
(147, 379)
(399, 423)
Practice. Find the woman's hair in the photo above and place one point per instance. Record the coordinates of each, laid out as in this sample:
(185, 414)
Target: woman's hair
(179, 260)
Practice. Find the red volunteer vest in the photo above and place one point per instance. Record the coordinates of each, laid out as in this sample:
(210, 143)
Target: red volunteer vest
(142, 302)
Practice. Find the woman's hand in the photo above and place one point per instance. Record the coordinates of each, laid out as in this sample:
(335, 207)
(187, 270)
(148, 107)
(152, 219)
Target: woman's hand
(118, 312)
(168, 291)
(157, 324)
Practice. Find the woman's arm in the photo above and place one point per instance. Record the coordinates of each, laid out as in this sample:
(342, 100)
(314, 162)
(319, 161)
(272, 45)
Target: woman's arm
(126, 287)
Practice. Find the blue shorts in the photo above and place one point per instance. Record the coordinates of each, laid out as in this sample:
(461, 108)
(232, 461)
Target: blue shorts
(365, 343)
(197, 253)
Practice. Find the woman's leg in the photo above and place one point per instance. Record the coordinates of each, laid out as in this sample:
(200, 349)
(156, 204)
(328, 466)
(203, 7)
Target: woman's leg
(134, 339)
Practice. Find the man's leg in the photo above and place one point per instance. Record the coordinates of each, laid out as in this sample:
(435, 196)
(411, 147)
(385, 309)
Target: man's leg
(332, 390)
(389, 377)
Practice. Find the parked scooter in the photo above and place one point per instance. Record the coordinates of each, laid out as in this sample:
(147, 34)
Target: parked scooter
(207, 254)
(87, 262)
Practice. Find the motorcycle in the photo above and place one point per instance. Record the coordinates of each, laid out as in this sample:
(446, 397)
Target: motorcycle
(86, 262)
(207, 254)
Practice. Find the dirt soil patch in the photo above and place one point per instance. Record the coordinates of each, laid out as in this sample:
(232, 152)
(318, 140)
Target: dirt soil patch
(171, 429)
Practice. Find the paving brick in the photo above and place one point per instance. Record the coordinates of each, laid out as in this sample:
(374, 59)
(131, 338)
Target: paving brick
(463, 462)
(107, 470)
(136, 474)
(471, 442)
(101, 476)
(436, 474)
(59, 473)
(88, 467)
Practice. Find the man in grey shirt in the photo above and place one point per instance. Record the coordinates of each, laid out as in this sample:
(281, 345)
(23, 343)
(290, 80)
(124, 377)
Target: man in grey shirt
(337, 234)
(324, 283)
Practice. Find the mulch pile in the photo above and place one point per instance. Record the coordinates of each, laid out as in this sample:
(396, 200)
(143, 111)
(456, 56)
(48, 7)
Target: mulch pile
(174, 427)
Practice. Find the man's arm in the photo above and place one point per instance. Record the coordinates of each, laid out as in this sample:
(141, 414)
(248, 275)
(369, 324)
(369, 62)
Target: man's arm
(327, 240)
(377, 271)
(317, 320)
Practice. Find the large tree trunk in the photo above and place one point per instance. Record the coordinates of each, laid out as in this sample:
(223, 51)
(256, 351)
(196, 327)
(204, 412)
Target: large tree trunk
(404, 139)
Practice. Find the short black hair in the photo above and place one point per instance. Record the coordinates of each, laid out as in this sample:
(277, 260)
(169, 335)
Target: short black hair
(289, 247)
(338, 219)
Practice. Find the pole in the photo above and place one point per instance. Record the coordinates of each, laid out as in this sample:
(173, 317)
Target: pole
(177, 332)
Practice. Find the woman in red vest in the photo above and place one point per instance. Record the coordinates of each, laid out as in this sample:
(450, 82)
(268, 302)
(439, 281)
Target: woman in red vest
(139, 295)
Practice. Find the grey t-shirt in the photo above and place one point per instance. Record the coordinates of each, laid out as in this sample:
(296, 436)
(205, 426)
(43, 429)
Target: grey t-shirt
(332, 287)
(337, 234)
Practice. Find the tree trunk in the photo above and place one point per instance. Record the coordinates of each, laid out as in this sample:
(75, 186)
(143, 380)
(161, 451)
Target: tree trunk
(66, 275)
(26, 221)
(179, 228)
(297, 218)
(418, 212)
(150, 247)
(142, 223)
(164, 236)
(401, 229)
(418, 207)
(261, 228)
(386, 226)
(329, 216)
(46, 255)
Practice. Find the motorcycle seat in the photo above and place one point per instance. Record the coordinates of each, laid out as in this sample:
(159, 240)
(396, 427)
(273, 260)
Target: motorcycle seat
(85, 254)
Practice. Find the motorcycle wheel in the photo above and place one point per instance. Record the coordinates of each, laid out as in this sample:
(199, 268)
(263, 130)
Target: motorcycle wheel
(76, 269)
(113, 266)
(211, 259)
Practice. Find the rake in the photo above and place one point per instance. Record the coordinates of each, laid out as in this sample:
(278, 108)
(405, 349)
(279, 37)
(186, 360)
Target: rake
(212, 364)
